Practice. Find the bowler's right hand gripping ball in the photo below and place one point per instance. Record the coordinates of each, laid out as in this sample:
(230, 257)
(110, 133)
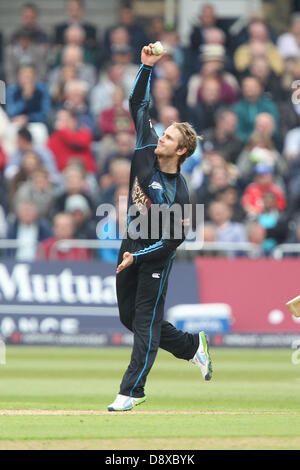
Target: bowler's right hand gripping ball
(157, 48)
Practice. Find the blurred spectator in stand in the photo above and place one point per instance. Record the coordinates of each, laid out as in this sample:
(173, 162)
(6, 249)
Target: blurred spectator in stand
(24, 52)
(74, 183)
(203, 114)
(38, 189)
(207, 19)
(215, 36)
(275, 225)
(114, 227)
(119, 172)
(288, 43)
(260, 68)
(75, 35)
(27, 100)
(256, 235)
(136, 34)
(250, 105)
(223, 136)
(84, 225)
(29, 164)
(76, 100)
(170, 70)
(171, 42)
(265, 124)
(63, 229)
(124, 148)
(213, 62)
(209, 235)
(29, 23)
(226, 230)
(28, 44)
(101, 96)
(58, 95)
(68, 141)
(261, 149)
(161, 97)
(72, 58)
(117, 37)
(75, 13)
(230, 196)
(258, 38)
(252, 199)
(117, 118)
(28, 229)
(155, 29)
(25, 144)
(215, 179)
(123, 55)
(75, 94)
(200, 174)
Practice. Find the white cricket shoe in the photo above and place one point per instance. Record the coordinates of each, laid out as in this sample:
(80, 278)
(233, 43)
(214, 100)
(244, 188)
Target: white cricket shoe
(125, 403)
(202, 358)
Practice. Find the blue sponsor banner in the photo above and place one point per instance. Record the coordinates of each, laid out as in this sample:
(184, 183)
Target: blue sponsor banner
(211, 326)
(213, 318)
(73, 303)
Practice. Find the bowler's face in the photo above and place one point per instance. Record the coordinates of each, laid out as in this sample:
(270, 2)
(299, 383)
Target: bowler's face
(168, 143)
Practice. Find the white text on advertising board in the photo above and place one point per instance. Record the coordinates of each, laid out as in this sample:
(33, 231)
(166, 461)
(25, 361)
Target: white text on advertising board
(65, 287)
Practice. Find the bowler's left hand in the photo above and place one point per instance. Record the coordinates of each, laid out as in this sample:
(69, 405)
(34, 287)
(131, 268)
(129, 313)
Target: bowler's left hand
(127, 261)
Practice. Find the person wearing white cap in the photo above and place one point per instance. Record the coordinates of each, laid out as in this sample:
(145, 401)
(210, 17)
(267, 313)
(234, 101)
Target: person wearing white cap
(213, 58)
(78, 207)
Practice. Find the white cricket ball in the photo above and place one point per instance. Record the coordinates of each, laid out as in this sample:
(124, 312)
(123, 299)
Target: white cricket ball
(157, 48)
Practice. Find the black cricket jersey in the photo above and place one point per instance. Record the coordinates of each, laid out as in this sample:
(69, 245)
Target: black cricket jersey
(149, 186)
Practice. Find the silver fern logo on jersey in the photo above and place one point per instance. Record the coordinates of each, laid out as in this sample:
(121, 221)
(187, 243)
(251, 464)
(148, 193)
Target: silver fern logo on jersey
(155, 185)
(156, 275)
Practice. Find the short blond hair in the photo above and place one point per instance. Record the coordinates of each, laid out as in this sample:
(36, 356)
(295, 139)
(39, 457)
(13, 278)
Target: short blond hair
(189, 139)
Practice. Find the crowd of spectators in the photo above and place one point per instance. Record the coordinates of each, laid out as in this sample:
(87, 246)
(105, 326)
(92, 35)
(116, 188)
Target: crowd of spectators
(67, 137)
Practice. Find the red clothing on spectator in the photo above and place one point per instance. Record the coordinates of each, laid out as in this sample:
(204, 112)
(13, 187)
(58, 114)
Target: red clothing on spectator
(253, 196)
(228, 94)
(3, 158)
(46, 251)
(66, 144)
(112, 120)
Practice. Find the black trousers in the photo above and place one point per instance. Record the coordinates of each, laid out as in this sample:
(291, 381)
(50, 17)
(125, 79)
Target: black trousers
(141, 293)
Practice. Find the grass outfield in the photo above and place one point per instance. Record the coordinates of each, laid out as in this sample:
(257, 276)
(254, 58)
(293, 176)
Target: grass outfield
(56, 398)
